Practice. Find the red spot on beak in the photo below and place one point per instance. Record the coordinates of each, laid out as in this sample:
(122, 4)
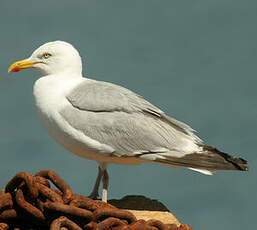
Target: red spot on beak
(16, 69)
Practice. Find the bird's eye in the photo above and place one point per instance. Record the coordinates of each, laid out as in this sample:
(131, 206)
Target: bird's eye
(46, 55)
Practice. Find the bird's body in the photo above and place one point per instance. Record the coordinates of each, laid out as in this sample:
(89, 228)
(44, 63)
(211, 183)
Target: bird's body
(108, 123)
(54, 108)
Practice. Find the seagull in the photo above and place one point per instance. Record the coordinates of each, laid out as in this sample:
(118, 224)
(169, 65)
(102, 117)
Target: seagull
(109, 123)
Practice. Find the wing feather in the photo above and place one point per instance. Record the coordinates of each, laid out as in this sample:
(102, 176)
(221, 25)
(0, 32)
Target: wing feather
(116, 116)
(99, 96)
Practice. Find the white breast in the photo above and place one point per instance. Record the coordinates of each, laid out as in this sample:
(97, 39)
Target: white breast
(50, 92)
(50, 98)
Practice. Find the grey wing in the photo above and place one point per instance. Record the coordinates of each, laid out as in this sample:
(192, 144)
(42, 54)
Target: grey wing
(117, 117)
(99, 96)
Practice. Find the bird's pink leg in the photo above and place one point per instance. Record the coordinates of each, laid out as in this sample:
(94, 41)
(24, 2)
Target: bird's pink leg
(94, 194)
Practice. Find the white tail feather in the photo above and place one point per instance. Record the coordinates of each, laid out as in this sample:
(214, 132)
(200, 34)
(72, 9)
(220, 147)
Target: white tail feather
(203, 171)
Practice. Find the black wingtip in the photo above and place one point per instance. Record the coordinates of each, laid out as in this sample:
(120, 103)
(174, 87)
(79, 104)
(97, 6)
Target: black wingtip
(238, 163)
(241, 163)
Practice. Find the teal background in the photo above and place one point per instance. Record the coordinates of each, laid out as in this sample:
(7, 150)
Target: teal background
(195, 59)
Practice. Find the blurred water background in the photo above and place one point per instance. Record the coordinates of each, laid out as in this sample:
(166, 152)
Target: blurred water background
(196, 60)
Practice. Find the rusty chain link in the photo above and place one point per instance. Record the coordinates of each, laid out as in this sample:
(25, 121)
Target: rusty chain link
(59, 183)
(19, 180)
(64, 222)
(30, 202)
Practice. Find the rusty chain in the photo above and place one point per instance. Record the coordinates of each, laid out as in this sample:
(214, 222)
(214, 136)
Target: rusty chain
(46, 201)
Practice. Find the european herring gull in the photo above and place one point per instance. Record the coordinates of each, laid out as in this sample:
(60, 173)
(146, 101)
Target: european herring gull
(108, 123)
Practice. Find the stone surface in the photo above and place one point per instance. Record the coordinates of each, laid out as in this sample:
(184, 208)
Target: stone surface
(145, 208)
(165, 217)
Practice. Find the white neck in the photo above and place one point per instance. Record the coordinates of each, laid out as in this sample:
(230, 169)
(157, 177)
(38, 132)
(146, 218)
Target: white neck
(62, 76)
(69, 70)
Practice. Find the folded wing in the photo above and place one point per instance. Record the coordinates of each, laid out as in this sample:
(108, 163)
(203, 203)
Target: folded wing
(123, 120)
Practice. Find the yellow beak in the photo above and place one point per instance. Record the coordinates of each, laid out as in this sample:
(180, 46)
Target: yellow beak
(20, 65)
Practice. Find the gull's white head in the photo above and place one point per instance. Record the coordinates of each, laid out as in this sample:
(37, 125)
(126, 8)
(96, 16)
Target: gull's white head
(52, 58)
